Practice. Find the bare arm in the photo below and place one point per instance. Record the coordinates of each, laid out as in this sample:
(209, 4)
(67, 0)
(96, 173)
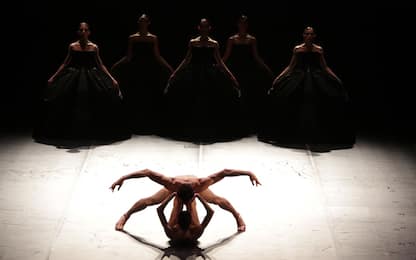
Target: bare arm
(154, 176)
(161, 213)
(288, 69)
(210, 212)
(62, 66)
(185, 61)
(257, 57)
(104, 68)
(228, 50)
(221, 63)
(326, 68)
(159, 57)
(204, 183)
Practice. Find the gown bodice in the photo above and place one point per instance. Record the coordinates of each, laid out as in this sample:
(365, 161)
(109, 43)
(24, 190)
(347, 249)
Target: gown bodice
(83, 59)
(142, 50)
(203, 56)
(308, 61)
(241, 53)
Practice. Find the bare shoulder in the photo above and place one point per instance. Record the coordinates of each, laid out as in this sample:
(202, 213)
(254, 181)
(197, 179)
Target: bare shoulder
(194, 41)
(93, 46)
(318, 48)
(134, 35)
(298, 48)
(73, 45)
(195, 230)
(233, 37)
(133, 38)
(251, 37)
(151, 37)
(213, 42)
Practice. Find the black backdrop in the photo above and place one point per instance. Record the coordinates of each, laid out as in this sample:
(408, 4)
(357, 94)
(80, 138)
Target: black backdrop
(369, 47)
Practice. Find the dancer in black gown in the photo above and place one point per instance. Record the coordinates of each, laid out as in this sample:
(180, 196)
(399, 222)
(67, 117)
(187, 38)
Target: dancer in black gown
(253, 75)
(308, 103)
(203, 95)
(142, 75)
(82, 101)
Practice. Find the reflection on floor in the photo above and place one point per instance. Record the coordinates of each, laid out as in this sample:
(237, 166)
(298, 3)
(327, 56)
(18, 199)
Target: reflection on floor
(350, 204)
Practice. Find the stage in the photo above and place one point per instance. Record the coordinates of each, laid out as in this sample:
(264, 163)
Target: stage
(349, 204)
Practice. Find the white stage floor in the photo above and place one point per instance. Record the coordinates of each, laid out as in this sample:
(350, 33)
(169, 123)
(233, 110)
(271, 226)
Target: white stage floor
(351, 204)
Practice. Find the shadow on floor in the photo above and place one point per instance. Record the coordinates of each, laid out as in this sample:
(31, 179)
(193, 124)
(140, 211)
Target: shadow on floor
(183, 251)
(316, 148)
(74, 146)
(202, 141)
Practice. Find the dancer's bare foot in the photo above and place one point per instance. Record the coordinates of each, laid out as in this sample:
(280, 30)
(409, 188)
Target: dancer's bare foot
(120, 223)
(241, 226)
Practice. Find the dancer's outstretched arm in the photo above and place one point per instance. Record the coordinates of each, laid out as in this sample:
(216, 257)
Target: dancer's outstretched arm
(161, 214)
(204, 183)
(154, 176)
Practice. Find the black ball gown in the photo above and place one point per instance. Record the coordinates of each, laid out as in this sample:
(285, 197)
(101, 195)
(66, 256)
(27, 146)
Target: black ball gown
(81, 104)
(142, 80)
(202, 105)
(308, 106)
(254, 82)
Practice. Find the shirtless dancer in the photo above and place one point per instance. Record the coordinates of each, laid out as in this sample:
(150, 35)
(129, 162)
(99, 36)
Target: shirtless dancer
(184, 225)
(181, 183)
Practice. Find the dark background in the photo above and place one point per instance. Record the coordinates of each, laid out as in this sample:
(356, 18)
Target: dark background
(369, 47)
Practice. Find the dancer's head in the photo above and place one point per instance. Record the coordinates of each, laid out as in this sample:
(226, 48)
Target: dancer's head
(309, 35)
(184, 219)
(143, 22)
(185, 192)
(242, 24)
(84, 30)
(204, 27)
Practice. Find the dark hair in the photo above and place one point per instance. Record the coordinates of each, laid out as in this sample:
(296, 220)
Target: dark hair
(205, 20)
(243, 19)
(185, 192)
(84, 23)
(184, 219)
(143, 16)
(309, 28)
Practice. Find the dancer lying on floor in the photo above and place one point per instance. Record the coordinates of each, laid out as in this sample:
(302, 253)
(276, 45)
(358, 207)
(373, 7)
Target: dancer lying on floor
(180, 184)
